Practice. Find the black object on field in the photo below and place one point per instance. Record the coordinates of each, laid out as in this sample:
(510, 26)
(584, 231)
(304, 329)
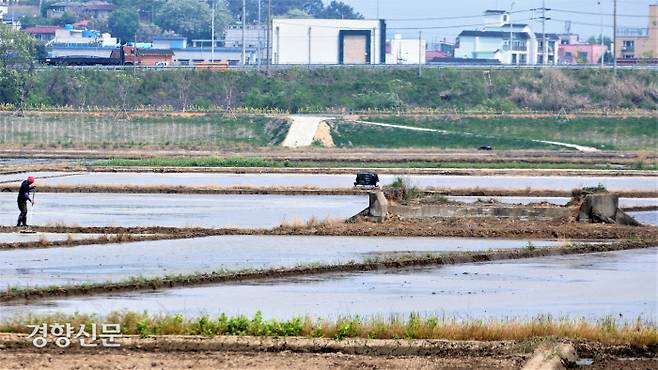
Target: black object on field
(485, 147)
(366, 180)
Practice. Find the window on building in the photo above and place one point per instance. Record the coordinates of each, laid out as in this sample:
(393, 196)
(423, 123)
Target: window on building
(523, 59)
(628, 45)
(582, 57)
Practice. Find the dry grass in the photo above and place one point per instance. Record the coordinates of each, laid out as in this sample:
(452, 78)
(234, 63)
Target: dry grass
(606, 330)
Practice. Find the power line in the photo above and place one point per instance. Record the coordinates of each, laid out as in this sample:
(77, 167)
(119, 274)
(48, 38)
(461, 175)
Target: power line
(606, 14)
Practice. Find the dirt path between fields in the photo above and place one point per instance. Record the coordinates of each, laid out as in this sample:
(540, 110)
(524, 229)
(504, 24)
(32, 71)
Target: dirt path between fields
(483, 227)
(10, 186)
(580, 148)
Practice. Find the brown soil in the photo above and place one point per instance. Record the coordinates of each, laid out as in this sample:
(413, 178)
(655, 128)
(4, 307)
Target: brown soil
(182, 352)
(439, 227)
(359, 155)
(388, 262)
(302, 190)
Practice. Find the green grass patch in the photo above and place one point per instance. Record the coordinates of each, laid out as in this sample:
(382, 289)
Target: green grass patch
(599, 132)
(348, 134)
(606, 330)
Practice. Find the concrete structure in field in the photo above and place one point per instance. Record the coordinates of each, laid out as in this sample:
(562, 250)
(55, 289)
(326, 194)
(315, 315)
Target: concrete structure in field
(406, 51)
(581, 53)
(639, 43)
(509, 43)
(328, 41)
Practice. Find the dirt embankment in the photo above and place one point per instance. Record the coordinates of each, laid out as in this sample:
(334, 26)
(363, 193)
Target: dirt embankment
(182, 352)
(387, 262)
(306, 190)
(439, 227)
(326, 169)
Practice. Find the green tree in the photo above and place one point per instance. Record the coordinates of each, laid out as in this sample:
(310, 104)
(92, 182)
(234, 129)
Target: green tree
(191, 18)
(123, 23)
(18, 52)
(607, 41)
(279, 7)
(297, 14)
(340, 10)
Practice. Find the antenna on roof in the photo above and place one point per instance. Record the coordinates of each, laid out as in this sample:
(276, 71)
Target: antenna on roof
(567, 27)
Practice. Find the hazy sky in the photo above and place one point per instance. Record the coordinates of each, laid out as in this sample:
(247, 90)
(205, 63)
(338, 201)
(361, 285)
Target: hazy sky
(584, 24)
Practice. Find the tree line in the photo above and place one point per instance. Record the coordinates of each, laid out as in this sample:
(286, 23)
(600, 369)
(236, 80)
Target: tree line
(141, 20)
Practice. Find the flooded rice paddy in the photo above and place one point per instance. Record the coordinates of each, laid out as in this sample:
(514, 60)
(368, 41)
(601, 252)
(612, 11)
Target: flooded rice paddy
(177, 210)
(646, 217)
(44, 237)
(101, 263)
(336, 181)
(622, 285)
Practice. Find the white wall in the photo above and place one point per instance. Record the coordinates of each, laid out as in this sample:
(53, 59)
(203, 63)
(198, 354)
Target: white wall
(290, 40)
(406, 51)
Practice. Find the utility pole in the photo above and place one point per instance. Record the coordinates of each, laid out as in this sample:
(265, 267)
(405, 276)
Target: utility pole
(309, 47)
(420, 53)
(601, 37)
(269, 34)
(511, 33)
(212, 35)
(614, 37)
(544, 48)
(244, 25)
(260, 40)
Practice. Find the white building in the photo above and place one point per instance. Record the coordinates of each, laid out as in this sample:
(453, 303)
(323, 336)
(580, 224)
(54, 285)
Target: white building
(406, 51)
(70, 36)
(493, 42)
(328, 41)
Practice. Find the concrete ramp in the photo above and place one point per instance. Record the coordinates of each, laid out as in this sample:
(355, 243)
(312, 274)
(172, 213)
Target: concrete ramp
(302, 131)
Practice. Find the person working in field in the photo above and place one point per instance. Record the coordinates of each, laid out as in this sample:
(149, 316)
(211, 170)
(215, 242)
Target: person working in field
(23, 198)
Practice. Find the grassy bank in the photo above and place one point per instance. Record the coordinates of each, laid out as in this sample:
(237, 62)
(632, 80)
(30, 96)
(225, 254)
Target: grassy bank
(258, 162)
(347, 89)
(347, 134)
(503, 133)
(605, 330)
(159, 130)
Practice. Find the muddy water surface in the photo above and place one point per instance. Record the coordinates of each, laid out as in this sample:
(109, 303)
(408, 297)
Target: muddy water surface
(100, 263)
(346, 181)
(180, 209)
(648, 218)
(622, 285)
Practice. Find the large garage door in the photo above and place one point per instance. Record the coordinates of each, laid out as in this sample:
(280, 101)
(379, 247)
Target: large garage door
(354, 49)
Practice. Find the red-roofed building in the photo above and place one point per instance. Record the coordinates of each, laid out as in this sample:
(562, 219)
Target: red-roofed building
(42, 33)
